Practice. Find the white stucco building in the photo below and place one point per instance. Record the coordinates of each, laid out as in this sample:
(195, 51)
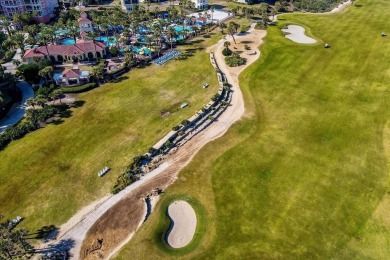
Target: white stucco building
(85, 24)
(200, 4)
(129, 5)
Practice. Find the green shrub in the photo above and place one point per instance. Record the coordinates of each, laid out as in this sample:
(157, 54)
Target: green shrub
(114, 51)
(79, 89)
(227, 52)
(30, 72)
(244, 28)
(9, 55)
(235, 60)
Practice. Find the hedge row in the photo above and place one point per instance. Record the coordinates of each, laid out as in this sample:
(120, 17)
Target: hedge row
(79, 89)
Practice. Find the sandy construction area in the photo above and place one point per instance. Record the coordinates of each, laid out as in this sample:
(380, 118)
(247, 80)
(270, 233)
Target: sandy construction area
(297, 34)
(183, 227)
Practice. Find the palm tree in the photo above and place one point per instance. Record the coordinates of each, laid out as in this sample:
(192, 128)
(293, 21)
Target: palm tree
(16, 62)
(273, 13)
(1, 99)
(56, 94)
(46, 72)
(222, 26)
(212, 9)
(32, 116)
(232, 29)
(226, 44)
(171, 33)
(4, 20)
(44, 39)
(92, 36)
(41, 100)
(31, 102)
(19, 40)
(73, 29)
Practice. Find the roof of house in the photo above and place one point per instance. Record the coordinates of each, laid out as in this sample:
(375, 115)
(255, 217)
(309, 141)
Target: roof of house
(84, 20)
(73, 49)
(71, 73)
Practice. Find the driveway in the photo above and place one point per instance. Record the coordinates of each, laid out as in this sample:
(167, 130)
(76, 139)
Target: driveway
(17, 111)
(9, 67)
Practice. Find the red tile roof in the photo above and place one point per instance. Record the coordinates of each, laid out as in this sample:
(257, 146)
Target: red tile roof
(84, 20)
(74, 49)
(71, 73)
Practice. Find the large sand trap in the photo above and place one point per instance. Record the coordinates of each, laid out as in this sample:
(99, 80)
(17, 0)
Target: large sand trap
(183, 224)
(297, 34)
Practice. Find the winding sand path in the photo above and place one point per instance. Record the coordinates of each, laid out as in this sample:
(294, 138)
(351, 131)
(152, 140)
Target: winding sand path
(185, 154)
(74, 232)
(104, 227)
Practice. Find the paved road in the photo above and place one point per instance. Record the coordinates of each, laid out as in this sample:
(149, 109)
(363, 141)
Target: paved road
(17, 111)
(9, 66)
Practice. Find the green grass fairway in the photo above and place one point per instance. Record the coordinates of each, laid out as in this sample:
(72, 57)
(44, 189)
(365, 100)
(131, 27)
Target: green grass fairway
(305, 175)
(49, 174)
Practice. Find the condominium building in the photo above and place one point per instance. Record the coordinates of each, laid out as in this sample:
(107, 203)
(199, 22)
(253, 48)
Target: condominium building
(200, 4)
(129, 5)
(44, 8)
(9, 7)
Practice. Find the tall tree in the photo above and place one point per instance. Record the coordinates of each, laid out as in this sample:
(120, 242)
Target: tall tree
(13, 242)
(232, 29)
(19, 40)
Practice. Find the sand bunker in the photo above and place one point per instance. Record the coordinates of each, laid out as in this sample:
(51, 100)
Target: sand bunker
(296, 33)
(183, 224)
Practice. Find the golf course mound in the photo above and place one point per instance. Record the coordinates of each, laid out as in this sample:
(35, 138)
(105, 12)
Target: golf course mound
(297, 34)
(183, 224)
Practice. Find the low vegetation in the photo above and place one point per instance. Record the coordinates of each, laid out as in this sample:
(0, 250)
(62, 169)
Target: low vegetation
(235, 60)
(112, 124)
(305, 174)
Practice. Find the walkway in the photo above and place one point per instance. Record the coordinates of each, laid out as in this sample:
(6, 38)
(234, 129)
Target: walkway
(73, 232)
(9, 67)
(17, 111)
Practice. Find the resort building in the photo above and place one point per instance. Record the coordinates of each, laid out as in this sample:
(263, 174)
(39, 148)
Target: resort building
(62, 53)
(9, 7)
(71, 77)
(85, 24)
(200, 4)
(44, 8)
(129, 5)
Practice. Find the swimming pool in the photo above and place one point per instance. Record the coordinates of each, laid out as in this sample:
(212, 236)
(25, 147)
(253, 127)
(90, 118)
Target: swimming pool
(180, 28)
(107, 40)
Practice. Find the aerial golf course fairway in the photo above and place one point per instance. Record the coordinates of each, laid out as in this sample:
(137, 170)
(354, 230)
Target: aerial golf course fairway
(305, 173)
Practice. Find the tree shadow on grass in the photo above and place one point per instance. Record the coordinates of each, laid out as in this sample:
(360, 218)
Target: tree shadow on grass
(57, 121)
(119, 79)
(66, 114)
(45, 233)
(55, 248)
(78, 103)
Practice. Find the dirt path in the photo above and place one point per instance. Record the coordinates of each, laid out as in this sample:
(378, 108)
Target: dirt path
(119, 223)
(109, 225)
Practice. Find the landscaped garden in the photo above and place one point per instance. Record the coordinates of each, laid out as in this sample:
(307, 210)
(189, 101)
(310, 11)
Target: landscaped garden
(49, 174)
(305, 173)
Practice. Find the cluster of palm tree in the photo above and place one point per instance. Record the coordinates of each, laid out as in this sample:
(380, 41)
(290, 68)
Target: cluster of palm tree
(247, 12)
(14, 243)
(122, 29)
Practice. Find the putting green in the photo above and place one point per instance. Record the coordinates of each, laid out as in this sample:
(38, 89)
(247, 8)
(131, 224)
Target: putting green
(305, 174)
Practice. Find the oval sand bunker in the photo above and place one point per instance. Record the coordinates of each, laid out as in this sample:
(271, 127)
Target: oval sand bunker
(183, 224)
(297, 34)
